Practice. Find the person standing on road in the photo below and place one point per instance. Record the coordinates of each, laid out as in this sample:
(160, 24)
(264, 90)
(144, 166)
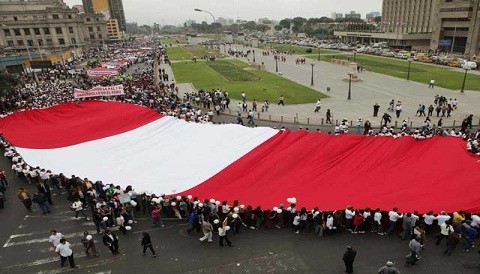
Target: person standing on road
(251, 117)
(388, 269)
(89, 244)
(318, 106)
(111, 240)
(65, 251)
(398, 109)
(348, 258)
(328, 117)
(41, 200)
(77, 206)
(432, 84)
(281, 100)
(207, 230)
(376, 108)
(147, 243)
(55, 238)
(26, 198)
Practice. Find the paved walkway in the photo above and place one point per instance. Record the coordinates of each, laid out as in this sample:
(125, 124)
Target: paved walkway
(373, 88)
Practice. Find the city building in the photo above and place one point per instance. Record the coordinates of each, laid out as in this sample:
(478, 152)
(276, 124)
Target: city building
(405, 24)
(353, 15)
(48, 29)
(336, 16)
(456, 27)
(112, 10)
(79, 8)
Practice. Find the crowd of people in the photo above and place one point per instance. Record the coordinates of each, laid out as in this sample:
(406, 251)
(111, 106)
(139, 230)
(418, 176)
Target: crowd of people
(110, 206)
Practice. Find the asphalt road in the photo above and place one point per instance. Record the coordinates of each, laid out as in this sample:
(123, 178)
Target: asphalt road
(24, 248)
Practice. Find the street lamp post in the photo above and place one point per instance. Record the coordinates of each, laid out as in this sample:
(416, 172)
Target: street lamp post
(276, 64)
(349, 86)
(464, 79)
(354, 56)
(253, 55)
(409, 67)
(200, 10)
(311, 82)
(318, 57)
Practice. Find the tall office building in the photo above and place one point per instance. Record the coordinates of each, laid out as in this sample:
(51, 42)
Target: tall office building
(112, 11)
(117, 12)
(406, 16)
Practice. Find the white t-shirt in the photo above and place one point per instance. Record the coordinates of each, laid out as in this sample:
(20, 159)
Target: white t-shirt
(446, 229)
(55, 239)
(64, 249)
(296, 220)
(78, 205)
(366, 214)
(415, 218)
(475, 221)
(377, 217)
(441, 219)
(349, 214)
(330, 222)
(393, 216)
(428, 219)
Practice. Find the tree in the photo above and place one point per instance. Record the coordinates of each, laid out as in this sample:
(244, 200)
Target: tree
(7, 83)
(298, 23)
(378, 19)
(278, 28)
(285, 23)
(263, 27)
(250, 25)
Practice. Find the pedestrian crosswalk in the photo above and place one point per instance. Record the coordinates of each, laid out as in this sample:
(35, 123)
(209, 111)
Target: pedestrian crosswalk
(28, 250)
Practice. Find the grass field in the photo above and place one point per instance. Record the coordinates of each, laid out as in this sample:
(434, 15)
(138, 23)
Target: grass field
(444, 77)
(169, 41)
(263, 86)
(188, 52)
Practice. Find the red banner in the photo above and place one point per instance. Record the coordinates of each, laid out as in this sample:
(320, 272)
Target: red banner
(99, 91)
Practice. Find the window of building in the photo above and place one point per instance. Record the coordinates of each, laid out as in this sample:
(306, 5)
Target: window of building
(20, 42)
(88, 19)
(15, 18)
(49, 41)
(30, 43)
(46, 30)
(40, 42)
(73, 40)
(17, 32)
(36, 31)
(100, 36)
(61, 41)
(70, 29)
(7, 32)
(55, 16)
(69, 16)
(26, 31)
(90, 29)
(58, 30)
(92, 36)
(10, 43)
(98, 28)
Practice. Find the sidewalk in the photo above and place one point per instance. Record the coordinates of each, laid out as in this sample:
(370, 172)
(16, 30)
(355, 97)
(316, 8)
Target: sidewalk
(374, 88)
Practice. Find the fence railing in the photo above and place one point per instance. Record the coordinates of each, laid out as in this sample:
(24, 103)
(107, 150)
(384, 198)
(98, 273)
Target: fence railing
(321, 121)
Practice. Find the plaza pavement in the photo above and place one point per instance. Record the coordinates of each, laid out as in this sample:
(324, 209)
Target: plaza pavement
(373, 88)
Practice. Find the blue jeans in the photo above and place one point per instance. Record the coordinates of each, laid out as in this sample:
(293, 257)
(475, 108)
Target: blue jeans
(44, 207)
(468, 243)
(392, 228)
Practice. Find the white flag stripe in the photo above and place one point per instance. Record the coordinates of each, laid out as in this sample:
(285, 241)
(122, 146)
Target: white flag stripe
(148, 157)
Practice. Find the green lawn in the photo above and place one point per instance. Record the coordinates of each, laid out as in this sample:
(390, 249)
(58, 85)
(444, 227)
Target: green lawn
(265, 85)
(188, 52)
(169, 41)
(444, 77)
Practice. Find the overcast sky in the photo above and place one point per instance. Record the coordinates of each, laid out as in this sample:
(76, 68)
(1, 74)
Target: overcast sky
(178, 11)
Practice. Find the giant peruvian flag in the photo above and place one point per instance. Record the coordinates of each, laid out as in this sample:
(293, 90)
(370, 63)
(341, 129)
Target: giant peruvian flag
(128, 144)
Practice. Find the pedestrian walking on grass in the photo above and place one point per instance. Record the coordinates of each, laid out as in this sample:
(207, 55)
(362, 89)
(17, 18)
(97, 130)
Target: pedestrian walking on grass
(348, 258)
